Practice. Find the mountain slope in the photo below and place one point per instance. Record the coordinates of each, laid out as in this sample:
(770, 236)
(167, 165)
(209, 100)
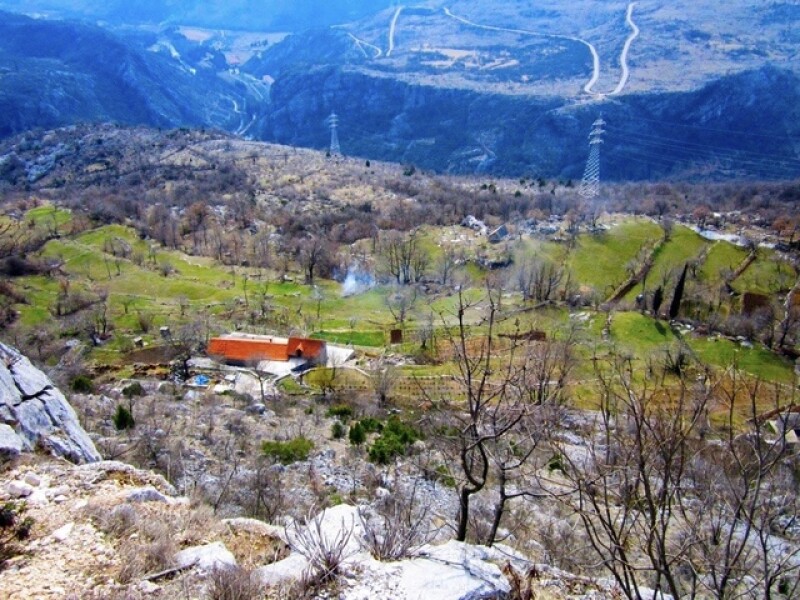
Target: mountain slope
(55, 73)
(263, 15)
(744, 126)
(688, 90)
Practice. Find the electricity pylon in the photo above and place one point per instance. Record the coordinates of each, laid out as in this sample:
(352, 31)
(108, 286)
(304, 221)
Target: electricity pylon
(590, 185)
(333, 123)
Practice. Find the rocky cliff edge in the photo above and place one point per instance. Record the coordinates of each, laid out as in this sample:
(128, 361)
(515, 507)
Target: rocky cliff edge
(34, 414)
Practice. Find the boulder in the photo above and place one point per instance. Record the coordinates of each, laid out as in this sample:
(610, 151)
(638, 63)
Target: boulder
(110, 469)
(208, 557)
(19, 489)
(38, 412)
(328, 528)
(291, 568)
(147, 494)
(256, 527)
(453, 571)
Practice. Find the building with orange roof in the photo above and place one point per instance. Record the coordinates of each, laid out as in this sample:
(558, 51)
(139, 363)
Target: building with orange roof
(245, 349)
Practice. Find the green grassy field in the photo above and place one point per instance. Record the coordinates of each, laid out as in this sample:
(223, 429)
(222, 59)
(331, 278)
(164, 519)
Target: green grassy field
(599, 260)
(722, 258)
(223, 298)
(643, 336)
(683, 246)
(767, 275)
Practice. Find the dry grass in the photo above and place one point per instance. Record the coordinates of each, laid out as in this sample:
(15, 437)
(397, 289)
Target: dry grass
(148, 535)
(253, 549)
(235, 583)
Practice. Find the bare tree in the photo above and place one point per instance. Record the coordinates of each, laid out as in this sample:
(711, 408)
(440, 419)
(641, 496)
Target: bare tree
(383, 378)
(492, 432)
(447, 263)
(665, 509)
(539, 280)
(400, 303)
(315, 256)
(404, 257)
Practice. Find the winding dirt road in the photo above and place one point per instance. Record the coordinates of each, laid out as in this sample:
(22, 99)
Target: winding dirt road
(623, 59)
(364, 44)
(392, 29)
(589, 86)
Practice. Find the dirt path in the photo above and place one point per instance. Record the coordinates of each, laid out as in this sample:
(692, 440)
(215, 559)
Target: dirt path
(364, 44)
(392, 29)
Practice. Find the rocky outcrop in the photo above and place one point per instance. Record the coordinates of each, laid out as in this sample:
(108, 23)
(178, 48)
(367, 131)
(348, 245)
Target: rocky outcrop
(36, 415)
(451, 571)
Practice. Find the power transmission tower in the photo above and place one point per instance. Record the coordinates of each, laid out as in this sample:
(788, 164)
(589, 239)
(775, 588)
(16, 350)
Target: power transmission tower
(590, 185)
(333, 123)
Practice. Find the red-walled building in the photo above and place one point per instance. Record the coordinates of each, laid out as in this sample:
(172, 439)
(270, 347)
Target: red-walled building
(242, 349)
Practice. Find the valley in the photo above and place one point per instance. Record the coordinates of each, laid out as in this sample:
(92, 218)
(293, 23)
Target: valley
(130, 256)
(451, 87)
(457, 300)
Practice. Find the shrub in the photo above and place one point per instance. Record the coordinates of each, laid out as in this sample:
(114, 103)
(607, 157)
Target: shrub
(13, 528)
(324, 550)
(342, 411)
(123, 419)
(556, 463)
(371, 425)
(394, 440)
(235, 583)
(134, 389)
(337, 430)
(357, 434)
(442, 474)
(396, 526)
(290, 451)
(81, 384)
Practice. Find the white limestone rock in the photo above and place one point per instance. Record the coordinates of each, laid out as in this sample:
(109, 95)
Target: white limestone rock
(453, 571)
(18, 489)
(146, 494)
(62, 533)
(10, 443)
(256, 527)
(207, 557)
(38, 412)
(291, 568)
(32, 479)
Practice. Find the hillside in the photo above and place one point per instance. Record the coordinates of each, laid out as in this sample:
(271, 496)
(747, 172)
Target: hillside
(457, 89)
(82, 73)
(483, 348)
(244, 15)
(687, 91)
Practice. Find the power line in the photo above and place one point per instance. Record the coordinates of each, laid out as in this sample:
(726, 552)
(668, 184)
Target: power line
(645, 139)
(719, 130)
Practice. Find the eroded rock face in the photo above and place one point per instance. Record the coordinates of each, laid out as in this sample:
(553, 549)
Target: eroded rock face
(38, 413)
